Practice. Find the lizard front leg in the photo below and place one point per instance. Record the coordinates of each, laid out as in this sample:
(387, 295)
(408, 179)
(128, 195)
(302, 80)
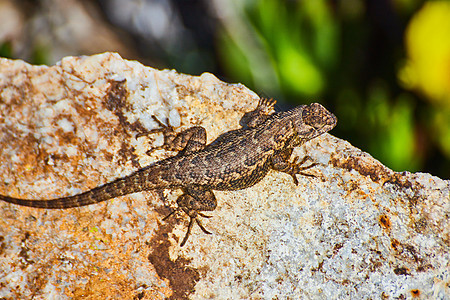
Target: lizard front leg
(281, 163)
(192, 203)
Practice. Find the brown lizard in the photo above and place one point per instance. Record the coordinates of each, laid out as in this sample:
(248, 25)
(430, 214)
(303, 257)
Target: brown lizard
(235, 160)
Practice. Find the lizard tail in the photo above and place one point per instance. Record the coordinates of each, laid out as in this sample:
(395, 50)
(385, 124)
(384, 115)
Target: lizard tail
(120, 187)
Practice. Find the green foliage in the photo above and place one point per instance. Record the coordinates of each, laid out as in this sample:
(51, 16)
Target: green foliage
(331, 51)
(39, 55)
(282, 47)
(6, 50)
(390, 127)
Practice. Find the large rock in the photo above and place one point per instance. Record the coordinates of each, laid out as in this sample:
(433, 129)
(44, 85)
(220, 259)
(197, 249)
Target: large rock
(357, 230)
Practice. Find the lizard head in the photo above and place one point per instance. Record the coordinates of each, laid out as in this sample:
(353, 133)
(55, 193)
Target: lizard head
(314, 121)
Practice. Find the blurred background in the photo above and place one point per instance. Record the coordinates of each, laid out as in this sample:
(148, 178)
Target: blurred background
(382, 66)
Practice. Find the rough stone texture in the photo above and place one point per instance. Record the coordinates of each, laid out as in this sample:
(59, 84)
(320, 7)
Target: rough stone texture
(358, 230)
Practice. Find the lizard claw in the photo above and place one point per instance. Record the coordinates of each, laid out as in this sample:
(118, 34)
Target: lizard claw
(193, 216)
(189, 229)
(298, 168)
(170, 214)
(163, 128)
(203, 215)
(167, 130)
(201, 226)
(298, 165)
(267, 104)
(294, 178)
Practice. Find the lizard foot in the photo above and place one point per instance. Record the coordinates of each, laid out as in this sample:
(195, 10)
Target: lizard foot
(168, 132)
(190, 140)
(298, 168)
(255, 117)
(193, 216)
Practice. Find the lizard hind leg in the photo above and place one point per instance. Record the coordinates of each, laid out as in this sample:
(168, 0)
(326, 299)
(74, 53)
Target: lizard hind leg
(192, 203)
(190, 140)
(260, 114)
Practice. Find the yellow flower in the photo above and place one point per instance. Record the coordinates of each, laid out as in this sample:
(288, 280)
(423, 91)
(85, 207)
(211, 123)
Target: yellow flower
(427, 68)
(428, 49)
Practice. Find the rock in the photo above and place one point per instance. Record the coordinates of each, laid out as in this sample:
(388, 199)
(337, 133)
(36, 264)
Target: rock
(356, 230)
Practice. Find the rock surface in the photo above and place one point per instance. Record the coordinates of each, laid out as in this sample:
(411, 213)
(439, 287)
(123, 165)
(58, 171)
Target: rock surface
(357, 230)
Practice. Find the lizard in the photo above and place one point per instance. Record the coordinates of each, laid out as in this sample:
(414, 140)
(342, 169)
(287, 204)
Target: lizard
(237, 159)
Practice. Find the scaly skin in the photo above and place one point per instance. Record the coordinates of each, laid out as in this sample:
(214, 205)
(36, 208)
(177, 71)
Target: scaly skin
(235, 160)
